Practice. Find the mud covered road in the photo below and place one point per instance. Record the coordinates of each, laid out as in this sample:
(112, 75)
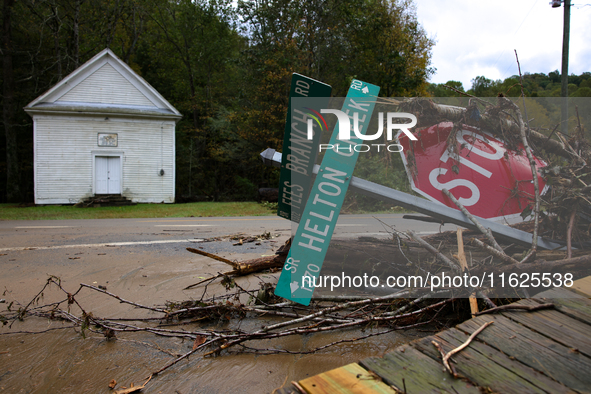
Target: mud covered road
(145, 260)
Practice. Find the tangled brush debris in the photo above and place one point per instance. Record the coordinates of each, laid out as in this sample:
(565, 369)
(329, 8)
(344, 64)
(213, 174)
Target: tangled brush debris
(565, 209)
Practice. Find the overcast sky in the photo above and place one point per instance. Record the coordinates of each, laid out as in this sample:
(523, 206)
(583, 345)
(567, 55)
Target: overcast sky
(477, 37)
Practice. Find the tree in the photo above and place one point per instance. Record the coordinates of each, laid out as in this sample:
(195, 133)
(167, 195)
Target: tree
(392, 48)
(191, 54)
(226, 69)
(481, 86)
(43, 41)
(581, 92)
(438, 90)
(13, 192)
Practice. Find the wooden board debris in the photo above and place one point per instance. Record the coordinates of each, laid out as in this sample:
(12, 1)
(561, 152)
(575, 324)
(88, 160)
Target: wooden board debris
(553, 324)
(542, 351)
(569, 303)
(488, 367)
(583, 286)
(349, 379)
(534, 350)
(407, 368)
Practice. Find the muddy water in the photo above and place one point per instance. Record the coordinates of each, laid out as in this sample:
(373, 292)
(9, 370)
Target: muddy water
(62, 361)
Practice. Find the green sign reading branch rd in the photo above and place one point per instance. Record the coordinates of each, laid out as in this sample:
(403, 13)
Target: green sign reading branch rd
(299, 152)
(310, 243)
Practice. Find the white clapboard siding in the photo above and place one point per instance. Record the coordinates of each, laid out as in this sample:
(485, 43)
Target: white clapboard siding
(106, 86)
(65, 149)
(62, 168)
(141, 180)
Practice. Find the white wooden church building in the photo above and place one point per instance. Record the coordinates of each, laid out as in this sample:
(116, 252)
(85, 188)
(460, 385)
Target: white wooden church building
(103, 130)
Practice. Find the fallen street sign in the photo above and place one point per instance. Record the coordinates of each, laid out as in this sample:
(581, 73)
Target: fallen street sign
(429, 208)
(299, 153)
(313, 235)
(487, 178)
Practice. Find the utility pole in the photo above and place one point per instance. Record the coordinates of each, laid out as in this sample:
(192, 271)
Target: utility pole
(564, 73)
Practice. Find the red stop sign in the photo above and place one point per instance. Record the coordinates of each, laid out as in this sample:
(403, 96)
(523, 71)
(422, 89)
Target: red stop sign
(490, 180)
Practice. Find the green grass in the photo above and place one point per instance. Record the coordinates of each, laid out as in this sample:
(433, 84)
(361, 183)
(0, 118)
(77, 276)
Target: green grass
(198, 209)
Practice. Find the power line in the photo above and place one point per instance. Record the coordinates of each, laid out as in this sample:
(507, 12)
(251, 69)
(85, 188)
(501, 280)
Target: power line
(514, 33)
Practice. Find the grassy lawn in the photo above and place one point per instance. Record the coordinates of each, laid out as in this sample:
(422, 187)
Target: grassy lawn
(198, 209)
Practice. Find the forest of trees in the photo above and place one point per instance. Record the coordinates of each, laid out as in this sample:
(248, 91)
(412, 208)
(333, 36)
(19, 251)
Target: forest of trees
(543, 103)
(225, 65)
(534, 85)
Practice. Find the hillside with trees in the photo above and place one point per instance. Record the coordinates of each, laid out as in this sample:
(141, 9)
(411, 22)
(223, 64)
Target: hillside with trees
(534, 85)
(225, 66)
(542, 92)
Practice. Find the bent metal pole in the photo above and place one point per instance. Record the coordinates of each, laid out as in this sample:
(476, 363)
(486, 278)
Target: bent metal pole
(436, 210)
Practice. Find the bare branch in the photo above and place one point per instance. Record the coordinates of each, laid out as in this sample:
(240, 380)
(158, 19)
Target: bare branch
(516, 307)
(446, 357)
(485, 231)
(502, 255)
(454, 266)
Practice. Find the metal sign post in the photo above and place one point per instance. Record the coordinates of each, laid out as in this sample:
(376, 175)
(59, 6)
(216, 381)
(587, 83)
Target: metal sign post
(322, 210)
(433, 209)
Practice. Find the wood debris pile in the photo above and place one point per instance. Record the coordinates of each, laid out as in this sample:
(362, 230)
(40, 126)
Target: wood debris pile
(565, 209)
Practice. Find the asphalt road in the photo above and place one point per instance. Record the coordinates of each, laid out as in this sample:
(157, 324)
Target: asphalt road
(147, 258)
(146, 261)
(61, 234)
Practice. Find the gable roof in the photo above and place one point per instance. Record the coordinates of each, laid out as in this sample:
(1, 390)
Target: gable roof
(104, 85)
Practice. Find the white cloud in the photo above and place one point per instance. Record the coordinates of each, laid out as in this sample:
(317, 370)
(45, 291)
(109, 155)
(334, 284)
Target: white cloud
(479, 37)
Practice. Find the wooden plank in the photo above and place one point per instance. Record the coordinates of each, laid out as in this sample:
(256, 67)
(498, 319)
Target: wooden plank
(553, 324)
(408, 369)
(350, 379)
(464, 266)
(574, 305)
(583, 286)
(534, 377)
(523, 352)
(489, 368)
(559, 292)
(534, 350)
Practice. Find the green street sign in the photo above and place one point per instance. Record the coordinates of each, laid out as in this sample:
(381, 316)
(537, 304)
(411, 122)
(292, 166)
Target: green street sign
(310, 244)
(299, 152)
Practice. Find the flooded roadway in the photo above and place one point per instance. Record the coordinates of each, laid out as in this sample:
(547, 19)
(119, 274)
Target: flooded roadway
(144, 260)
